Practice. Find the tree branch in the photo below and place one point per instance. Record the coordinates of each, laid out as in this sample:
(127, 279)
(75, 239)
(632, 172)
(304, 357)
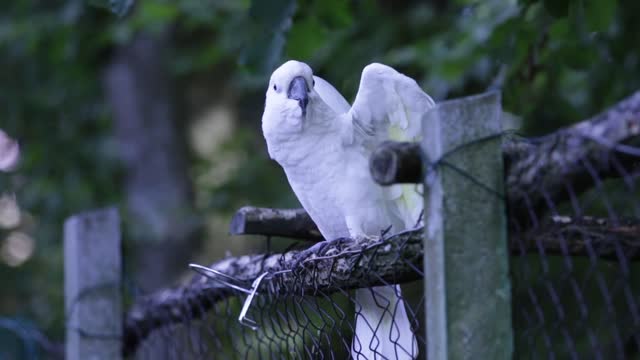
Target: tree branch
(584, 236)
(546, 166)
(360, 263)
(291, 223)
(570, 157)
(396, 162)
(573, 157)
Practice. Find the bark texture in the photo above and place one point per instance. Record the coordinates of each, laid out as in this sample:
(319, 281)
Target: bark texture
(556, 166)
(345, 264)
(396, 162)
(291, 223)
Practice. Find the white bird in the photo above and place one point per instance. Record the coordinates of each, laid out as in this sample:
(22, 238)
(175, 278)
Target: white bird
(323, 145)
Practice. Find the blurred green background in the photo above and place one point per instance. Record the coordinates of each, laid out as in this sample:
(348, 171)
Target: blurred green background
(155, 106)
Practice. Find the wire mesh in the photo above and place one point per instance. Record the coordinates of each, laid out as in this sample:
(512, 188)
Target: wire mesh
(574, 237)
(575, 287)
(317, 327)
(587, 306)
(309, 312)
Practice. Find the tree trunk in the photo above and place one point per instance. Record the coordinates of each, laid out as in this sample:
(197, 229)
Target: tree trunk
(158, 190)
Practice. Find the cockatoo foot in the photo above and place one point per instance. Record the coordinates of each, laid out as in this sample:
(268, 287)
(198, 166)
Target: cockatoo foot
(321, 249)
(365, 240)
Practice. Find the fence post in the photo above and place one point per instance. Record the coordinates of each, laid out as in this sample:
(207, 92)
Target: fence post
(468, 293)
(92, 281)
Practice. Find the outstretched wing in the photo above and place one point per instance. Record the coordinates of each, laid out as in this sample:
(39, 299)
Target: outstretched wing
(331, 96)
(390, 106)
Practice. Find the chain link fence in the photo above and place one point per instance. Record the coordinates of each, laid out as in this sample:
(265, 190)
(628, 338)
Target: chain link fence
(574, 237)
(573, 220)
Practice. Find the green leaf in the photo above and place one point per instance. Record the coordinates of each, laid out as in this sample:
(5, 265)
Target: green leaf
(156, 13)
(305, 38)
(118, 7)
(559, 30)
(334, 13)
(270, 22)
(557, 8)
(577, 56)
(271, 15)
(600, 14)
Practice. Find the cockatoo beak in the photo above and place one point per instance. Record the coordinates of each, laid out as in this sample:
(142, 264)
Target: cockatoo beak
(298, 90)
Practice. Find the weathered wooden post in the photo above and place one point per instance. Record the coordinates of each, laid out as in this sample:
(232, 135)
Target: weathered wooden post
(92, 281)
(468, 295)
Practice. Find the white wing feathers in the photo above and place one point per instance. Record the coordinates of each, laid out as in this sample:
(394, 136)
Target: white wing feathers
(331, 96)
(390, 106)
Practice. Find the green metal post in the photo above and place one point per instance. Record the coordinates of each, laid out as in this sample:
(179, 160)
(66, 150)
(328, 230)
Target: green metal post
(92, 283)
(468, 293)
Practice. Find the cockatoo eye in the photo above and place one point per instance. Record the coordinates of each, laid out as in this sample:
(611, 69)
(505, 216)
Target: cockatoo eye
(275, 87)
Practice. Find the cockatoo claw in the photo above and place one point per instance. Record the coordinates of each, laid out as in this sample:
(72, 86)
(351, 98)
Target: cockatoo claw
(318, 251)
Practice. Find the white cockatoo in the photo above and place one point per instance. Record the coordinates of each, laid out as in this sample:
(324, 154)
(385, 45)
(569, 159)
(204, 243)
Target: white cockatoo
(323, 145)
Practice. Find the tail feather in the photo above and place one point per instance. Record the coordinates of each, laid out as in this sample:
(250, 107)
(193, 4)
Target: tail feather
(383, 330)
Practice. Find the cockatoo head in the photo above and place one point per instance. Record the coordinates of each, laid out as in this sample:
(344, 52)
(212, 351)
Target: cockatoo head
(289, 97)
